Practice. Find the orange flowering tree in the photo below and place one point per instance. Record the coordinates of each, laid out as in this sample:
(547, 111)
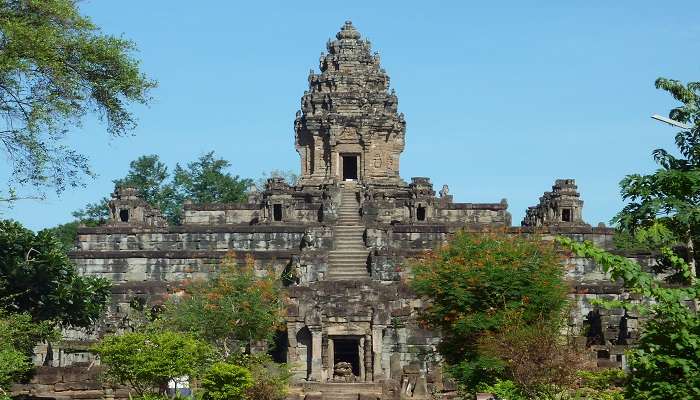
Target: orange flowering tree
(232, 310)
(476, 285)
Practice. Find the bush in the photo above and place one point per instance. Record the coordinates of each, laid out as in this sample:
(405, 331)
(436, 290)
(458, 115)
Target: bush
(475, 283)
(230, 310)
(536, 356)
(270, 379)
(148, 360)
(224, 381)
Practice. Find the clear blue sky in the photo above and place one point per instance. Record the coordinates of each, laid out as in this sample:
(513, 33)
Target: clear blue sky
(500, 98)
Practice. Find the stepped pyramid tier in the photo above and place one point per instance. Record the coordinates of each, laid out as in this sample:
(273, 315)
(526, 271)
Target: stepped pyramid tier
(342, 240)
(349, 126)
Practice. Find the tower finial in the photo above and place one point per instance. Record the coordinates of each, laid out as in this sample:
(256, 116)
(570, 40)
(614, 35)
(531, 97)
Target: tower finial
(348, 31)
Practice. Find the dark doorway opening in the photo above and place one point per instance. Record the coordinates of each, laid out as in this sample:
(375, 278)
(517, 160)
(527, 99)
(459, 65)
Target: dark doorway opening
(124, 215)
(278, 350)
(349, 168)
(347, 350)
(277, 212)
(420, 214)
(566, 215)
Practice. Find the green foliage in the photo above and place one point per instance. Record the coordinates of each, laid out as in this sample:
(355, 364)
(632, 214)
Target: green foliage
(270, 379)
(223, 381)
(668, 198)
(503, 389)
(205, 181)
(18, 336)
(475, 282)
(66, 234)
(230, 310)
(603, 379)
(666, 362)
(55, 67)
(37, 277)
(202, 181)
(148, 360)
(93, 214)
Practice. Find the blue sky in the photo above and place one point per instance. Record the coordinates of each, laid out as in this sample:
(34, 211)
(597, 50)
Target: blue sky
(500, 98)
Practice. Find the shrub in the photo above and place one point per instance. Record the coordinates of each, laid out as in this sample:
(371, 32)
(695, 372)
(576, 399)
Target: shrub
(148, 360)
(475, 283)
(270, 379)
(231, 310)
(223, 381)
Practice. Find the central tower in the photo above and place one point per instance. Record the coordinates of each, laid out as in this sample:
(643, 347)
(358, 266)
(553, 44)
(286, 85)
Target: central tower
(349, 127)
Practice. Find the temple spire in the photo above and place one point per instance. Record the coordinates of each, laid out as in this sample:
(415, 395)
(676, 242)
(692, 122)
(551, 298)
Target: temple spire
(349, 126)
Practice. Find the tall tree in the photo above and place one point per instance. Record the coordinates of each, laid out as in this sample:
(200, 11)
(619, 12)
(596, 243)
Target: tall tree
(664, 207)
(38, 278)
(206, 181)
(475, 285)
(56, 66)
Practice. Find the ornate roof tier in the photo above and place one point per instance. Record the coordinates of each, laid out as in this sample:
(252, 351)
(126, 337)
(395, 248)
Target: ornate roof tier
(349, 127)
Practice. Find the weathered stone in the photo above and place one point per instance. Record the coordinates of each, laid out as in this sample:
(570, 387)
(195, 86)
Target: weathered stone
(343, 236)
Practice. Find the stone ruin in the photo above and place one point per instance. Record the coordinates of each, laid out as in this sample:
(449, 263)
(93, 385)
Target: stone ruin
(340, 239)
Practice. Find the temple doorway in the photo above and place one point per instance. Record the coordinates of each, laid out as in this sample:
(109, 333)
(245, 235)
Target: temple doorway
(349, 167)
(347, 350)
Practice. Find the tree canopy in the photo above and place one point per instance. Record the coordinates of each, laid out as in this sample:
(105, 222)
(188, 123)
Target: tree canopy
(231, 310)
(663, 208)
(38, 278)
(477, 285)
(56, 66)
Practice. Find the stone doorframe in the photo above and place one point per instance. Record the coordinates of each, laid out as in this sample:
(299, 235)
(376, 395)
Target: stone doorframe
(363, 347)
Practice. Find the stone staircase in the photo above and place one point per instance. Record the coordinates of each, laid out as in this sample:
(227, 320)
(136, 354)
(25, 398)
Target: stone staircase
(349, 259)
(342, 391)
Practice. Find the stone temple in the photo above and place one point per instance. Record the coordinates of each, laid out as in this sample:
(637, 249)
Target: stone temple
(342, 237)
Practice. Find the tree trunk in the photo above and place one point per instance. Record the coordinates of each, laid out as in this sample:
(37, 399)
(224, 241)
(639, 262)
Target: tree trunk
(691, 266)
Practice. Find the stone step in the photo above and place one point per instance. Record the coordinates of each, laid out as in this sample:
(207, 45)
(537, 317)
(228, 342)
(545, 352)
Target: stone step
(355, 252)
(349, 278)
(348, 257)
(345, 262)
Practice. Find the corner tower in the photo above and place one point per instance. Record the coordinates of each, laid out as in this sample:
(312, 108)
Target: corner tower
(349, 127)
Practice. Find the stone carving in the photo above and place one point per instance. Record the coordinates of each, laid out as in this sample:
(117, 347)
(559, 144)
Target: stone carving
(342, 372)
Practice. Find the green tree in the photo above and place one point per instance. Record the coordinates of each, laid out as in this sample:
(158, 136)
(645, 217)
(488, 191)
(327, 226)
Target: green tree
(475, 284)
(37, 277)
(205, 181)
(665, 364)
(18, 336)
(231, 310)
(146, 361)
(223, 381)
(202, 181)
(663, 211)
(56, 66)
(663, 208)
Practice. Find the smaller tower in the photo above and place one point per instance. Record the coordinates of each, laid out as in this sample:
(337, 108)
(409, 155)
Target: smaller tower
(560, 207)
(127, 208)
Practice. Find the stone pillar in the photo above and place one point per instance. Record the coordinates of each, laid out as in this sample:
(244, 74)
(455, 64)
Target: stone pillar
(330, 356)
(360, 356)
(377, 370)
(368, 358)
(316, 354)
